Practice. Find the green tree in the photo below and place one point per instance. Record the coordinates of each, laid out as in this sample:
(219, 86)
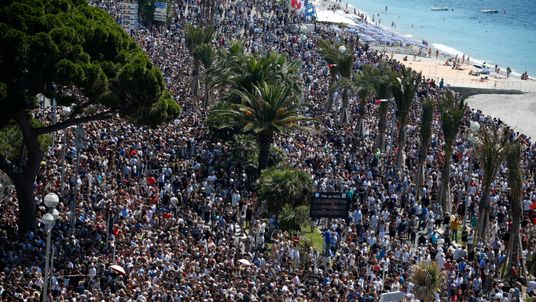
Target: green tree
(515, 250)
(205, 54)
(269, 110)
(490, 152)
(75, 53)
(364, 84)
(244, 153)
(428, 279)
(383, 80)
(404, 93)
(451, 109)
(220, 124)
(425, 136)
(292, 219)
(342, 61)
(196, 36)
(279, 186)
(237, 71)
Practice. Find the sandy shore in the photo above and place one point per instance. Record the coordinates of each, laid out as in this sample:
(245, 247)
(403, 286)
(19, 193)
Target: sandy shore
(435, 69)
(517, 111)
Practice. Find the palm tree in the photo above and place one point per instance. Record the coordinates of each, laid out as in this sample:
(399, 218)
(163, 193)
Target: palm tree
(452, 109)
(425, 136)
(270, 109)
(341, 62)
(382, 125)
(383, 88)
(428, 280)
(490, 152)
(237, 71)
(205, 54)
(514, 251)
(281, 185)
(196, 36)
(364, 84)
(404, 93)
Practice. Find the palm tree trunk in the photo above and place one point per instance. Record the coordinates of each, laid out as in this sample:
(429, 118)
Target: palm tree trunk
(401, 145)
(382, 126)
(206, 101)
(419, 177)
(514, 251)
(445, 179)
(344, 115)
(329, 104)
(195, 78)
(361, 117)
(483, 212)
(264, 141)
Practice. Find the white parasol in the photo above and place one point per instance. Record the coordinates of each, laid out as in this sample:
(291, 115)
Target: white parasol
(245, 262)
(118, 269)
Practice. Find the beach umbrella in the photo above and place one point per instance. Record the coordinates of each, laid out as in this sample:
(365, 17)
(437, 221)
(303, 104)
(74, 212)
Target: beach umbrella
(118, 269)
(245, 262)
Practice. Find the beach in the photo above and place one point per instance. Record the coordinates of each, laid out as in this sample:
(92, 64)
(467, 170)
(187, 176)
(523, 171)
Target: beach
(436, 69)
(517, 110)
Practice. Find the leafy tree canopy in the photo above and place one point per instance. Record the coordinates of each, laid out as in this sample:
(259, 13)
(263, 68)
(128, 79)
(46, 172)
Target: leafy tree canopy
(278, 186)
(78, 54)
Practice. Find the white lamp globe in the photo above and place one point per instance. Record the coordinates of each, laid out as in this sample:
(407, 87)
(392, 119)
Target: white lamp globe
(52, 200)
(342, 49)
(47, 219)
(56, 214)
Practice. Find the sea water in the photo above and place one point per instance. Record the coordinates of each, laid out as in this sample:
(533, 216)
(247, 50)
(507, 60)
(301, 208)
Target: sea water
(506, 39)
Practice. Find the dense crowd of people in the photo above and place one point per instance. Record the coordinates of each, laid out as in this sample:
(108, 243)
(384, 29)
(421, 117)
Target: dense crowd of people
(160, 203)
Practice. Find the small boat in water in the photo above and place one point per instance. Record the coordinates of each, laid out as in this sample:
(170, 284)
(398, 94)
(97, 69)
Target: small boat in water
(439, 8)
(490, 11)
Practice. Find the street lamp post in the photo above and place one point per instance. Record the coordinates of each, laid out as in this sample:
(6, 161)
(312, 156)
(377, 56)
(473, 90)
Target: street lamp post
(66, 113)
(78, 141)
(51, 201)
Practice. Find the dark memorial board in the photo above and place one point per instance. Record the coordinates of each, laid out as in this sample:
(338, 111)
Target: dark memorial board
(329, 205)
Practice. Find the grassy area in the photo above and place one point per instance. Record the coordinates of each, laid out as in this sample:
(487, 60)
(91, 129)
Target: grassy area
(314, 236)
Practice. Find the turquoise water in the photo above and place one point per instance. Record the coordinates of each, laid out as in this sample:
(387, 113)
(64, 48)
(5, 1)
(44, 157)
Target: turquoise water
(506, 39)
